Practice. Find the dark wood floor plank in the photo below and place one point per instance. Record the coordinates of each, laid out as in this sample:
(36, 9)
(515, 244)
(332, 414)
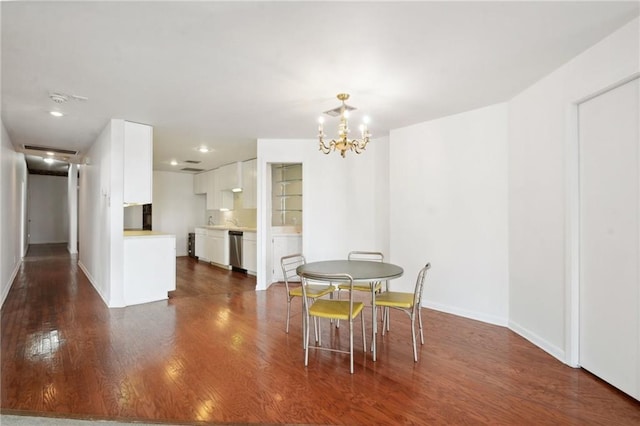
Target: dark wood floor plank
(216, 352)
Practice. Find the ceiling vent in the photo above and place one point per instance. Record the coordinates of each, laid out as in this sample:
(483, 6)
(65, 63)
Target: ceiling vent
(191, 169)
(337, 111)
(58, 98)
(61, 98)
(48, 149)
(193, 161)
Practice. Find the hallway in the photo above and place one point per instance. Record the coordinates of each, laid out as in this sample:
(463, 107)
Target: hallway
(216, 352)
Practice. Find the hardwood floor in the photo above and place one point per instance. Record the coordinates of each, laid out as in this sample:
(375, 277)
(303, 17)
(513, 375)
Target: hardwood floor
(216, 352)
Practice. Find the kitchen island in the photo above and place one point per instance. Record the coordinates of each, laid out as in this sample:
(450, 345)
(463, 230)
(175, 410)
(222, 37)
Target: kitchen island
(149, 266)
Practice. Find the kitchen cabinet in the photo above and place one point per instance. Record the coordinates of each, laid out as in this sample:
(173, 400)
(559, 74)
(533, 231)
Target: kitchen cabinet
(210, 189)
(200, 183)
(230, 177)
(283, 245)
(212, 245)
(137, 163)
(149, 268)
(218, 199)
(249, 184)
(200, 246)
(218, 242)
(250, 252)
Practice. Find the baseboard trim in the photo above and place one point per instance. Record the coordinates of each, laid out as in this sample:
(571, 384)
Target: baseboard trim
(478, 316)
(543, 344)
(92, 281)
(9, 284)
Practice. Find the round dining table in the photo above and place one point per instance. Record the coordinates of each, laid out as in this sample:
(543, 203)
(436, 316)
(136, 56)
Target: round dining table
(361, 271)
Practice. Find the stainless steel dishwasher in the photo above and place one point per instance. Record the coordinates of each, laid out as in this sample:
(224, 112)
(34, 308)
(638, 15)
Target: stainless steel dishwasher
(235, 250)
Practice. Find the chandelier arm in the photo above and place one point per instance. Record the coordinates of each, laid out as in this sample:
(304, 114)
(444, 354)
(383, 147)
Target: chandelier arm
(324, 148)
(358, 145)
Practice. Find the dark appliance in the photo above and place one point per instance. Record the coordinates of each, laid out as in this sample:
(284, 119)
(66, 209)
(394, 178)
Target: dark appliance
(191, 245)
(146, 217)
(235, 250)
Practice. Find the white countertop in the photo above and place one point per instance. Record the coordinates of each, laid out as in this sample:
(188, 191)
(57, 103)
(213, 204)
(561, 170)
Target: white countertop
(145, 234)
(228, 228)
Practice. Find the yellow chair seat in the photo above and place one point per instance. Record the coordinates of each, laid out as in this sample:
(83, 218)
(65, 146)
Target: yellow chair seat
(395, 300)
(336, 309)
(313, 291)
(361, 286)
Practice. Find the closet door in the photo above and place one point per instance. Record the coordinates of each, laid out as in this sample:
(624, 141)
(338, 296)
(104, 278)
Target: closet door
(610, 237)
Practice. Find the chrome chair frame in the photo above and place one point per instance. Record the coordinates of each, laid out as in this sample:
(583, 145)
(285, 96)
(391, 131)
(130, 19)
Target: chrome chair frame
(289, 264)
(370, 256)
(408, 303)
(333, 309)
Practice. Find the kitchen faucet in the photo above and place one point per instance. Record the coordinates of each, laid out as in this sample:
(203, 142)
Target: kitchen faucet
(210, 220)
(236, 222)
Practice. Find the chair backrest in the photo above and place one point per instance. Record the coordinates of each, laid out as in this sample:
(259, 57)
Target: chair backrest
(417, 294)
(373, 256)
(289, 264)
(308, 278)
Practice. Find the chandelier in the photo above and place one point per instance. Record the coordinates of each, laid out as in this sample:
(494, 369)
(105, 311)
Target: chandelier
(343, 144)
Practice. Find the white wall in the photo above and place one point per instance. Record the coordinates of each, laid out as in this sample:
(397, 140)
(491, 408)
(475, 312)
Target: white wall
(345, 202)
(448, 198)
(542, 189)
(48, 209)
(101, 216)
(176, 209)
(13, 180)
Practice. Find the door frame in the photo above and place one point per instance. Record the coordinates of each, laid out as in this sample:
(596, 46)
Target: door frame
(572, 223)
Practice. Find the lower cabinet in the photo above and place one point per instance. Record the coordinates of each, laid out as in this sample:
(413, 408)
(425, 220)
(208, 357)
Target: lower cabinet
(149, 268)
(219, 243)
(250, 252)
(201, 251)
(212, 245)
(284, 245)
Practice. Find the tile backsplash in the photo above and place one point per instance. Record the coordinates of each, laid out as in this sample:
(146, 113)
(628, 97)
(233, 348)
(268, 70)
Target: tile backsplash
(242, 216)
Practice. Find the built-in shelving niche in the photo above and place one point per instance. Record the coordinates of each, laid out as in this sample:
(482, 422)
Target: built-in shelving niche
(286, 194)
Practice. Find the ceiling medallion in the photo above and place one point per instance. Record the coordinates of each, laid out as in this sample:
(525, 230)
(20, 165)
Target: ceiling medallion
(343, 143)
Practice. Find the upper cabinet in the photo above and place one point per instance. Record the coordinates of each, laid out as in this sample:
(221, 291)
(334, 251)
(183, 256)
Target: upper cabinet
(230, 177)
(219, 185)
(217, 198)
(200, 183)
(209, 179)
(138, 163)
(249, 184)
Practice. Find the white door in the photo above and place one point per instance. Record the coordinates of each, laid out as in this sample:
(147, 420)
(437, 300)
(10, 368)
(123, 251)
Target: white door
(610, 237)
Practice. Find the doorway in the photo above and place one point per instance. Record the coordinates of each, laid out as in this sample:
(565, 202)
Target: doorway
(609, 237)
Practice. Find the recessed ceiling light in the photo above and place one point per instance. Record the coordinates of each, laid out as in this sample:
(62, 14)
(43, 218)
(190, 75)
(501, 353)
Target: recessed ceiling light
(51, 154)
(174, 163)
(56, 113)
(203, 149)
(49, 160)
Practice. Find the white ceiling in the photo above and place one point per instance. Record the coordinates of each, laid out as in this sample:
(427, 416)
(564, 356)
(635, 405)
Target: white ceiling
(223, 74)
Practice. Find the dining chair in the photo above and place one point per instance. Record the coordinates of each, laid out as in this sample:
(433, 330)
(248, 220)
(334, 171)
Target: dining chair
(289, 264)
(371, 256)
(408, 303)
(333, 309)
